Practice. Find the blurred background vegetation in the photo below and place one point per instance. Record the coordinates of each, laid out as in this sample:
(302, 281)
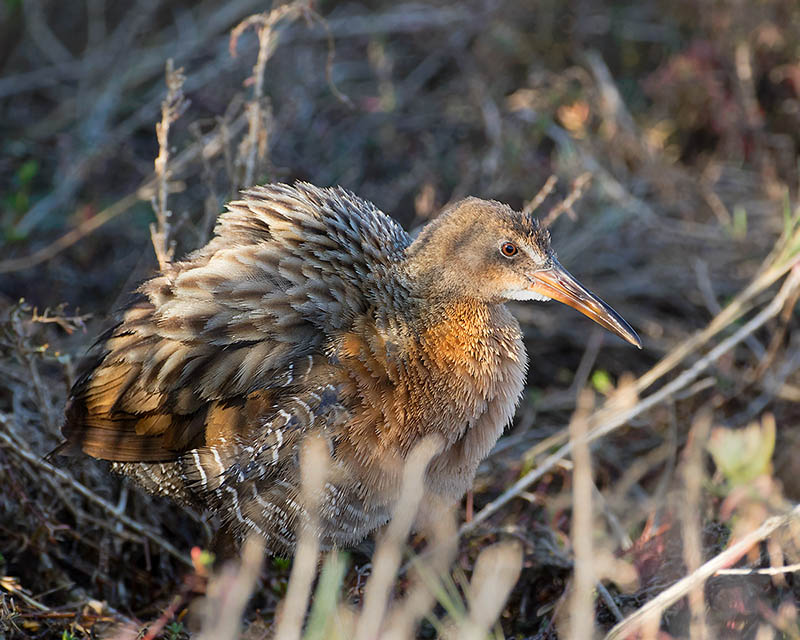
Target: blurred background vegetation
(686, 115)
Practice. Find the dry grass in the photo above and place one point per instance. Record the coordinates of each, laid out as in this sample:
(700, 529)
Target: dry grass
(658, 142)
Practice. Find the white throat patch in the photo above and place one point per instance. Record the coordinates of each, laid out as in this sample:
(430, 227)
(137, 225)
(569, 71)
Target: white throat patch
(525, 294)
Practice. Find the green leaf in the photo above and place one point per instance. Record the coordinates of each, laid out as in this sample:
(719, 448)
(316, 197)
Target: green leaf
(741, 455)
(601, 381)
(27, 172)
(323, 610)
(788, 220)
(739, 229)
(174, 630)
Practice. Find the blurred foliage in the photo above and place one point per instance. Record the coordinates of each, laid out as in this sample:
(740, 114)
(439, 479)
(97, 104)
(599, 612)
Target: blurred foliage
(687, 115)
(742, 455)
(601, 381)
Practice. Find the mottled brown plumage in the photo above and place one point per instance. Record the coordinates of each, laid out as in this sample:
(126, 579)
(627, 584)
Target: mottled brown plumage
(310, 311)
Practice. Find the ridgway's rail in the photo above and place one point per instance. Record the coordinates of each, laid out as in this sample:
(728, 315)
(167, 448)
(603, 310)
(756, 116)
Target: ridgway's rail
(312, 312)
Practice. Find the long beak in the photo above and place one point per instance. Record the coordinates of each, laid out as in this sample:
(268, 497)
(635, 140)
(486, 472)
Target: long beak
(557, 283)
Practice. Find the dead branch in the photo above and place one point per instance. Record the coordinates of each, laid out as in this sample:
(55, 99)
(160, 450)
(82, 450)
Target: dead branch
(229, 592)
(255, 144)
(210, 146)
(653, 609)
(388, 555)
(692, 528)
(539, 198)
(768, 571)
(581, 604)
(565, 206)
(52, 475)
(314, 464)
(171, 109)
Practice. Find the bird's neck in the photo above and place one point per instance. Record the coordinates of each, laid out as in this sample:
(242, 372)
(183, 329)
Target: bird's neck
(456, 320)
(445, 324)
(426, 271)
(450, 313)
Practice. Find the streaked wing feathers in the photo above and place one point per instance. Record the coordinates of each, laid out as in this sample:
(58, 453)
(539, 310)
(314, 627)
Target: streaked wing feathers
(233, 325)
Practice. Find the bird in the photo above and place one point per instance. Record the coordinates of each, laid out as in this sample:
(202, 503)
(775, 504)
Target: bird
(311, 312)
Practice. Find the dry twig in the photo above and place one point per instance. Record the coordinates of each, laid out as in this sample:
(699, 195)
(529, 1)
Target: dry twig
(420, 599)
(581, 607)
(314, 462)
(539, 198)
(387, 557)
(229, 592)
(653, 609)
(255, 144)
(768, 571)
(690, 508)
(496, 572)
(565, 206)
(171, 109)
(52, 475)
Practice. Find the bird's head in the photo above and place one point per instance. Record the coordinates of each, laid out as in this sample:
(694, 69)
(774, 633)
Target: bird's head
(485, 250)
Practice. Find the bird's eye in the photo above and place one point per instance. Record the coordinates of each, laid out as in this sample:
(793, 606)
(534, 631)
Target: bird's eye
(508, 249)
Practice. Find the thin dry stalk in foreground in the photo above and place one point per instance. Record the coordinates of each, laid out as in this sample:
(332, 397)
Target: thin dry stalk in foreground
(388, 555)
(496, 572)
(420, 598)
(229, 592)
(314, 462)
(581, 606)
(692, 526)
